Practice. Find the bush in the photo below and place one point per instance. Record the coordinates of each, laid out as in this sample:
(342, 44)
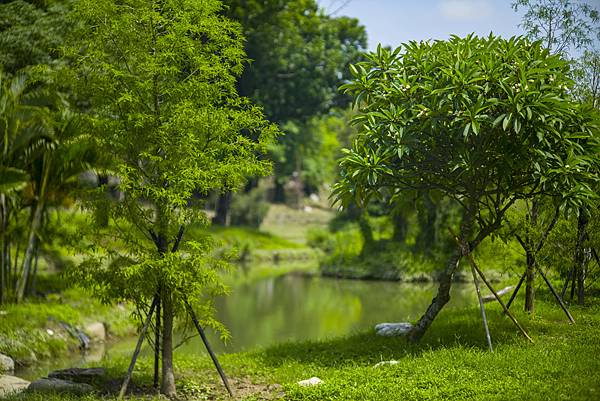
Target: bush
(249, 209)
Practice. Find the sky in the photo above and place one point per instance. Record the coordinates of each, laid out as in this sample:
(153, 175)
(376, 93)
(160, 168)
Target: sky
(391, 22)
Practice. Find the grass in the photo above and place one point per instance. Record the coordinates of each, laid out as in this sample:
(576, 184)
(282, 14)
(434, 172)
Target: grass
(451, 363)
(31, 330)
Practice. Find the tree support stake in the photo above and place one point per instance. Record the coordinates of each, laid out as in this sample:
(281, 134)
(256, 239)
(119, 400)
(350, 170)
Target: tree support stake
(208, 348)
(138, 347)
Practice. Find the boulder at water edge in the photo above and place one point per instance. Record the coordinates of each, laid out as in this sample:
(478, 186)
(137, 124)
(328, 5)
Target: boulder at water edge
(11, 385)
(6, 364)
(49, 385)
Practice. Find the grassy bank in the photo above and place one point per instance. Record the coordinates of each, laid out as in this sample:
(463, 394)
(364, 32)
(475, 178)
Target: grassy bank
(451, 363)
(36, 329)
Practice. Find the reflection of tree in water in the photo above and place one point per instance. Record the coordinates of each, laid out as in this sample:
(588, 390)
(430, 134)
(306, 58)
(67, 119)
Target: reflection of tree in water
(301, 308)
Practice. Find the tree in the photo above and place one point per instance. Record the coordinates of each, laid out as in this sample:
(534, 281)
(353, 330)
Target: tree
(299, 57)
(31, 33)
(161, 78)
(483, 121)
(561, 25)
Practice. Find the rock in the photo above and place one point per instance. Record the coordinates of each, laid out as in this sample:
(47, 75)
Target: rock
(392, 362)
(393, 329)
(78, 375)
(6, 364)
(491, 297)
(96, 331)
(11, 385)
(48, 385)
(313, 381)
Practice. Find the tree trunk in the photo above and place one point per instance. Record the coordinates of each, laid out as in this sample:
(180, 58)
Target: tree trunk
(445, 280)
(532, 220)
(222, 210)
(580, 257)
(366, 231)
(426, 239)
(4, 248)
(29, 251)
(168, 375)
(530, 283)
(400, 227)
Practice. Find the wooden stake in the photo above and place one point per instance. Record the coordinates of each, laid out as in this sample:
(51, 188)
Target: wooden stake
(208, 348)
(138, 347)
(558, 298)
(485, 324)
(157, 340)
(515, 292)
(464, 246)
(486, 282)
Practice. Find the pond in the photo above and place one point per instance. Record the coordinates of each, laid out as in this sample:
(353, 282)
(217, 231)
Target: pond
(295, 307)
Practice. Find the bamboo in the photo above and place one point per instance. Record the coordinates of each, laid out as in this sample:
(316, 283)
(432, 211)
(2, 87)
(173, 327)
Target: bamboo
(208, 348)
(138, 347)
(482, 308)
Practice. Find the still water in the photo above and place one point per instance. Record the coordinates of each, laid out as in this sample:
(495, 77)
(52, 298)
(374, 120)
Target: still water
(294, 307)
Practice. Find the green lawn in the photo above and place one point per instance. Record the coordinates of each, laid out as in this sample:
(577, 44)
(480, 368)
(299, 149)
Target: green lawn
(452, 363)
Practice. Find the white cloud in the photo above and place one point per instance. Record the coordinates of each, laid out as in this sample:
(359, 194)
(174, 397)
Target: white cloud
(466, 10)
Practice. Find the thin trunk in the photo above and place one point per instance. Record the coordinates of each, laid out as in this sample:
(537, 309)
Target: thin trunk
(532, 220)
(400, 227)
(3, 239)
(31, 282)
(580, 257)
(222, 210)
(445, 280)
(426, 239)
(29, 251)
(157, 341)
(168, 376)
(530, 283)
(33, 229)
(366, 231)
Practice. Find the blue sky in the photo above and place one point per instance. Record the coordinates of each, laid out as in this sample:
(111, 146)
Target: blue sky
(391, 22)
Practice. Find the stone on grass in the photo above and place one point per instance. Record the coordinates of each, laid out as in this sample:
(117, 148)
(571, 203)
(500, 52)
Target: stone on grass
(78, 375)
(382, 363)
(11, 385)
(48, 385)
(6, 364)
(313, 381)
(96, 331)
(393, 329)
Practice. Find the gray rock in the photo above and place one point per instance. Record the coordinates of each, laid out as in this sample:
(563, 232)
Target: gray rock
(313, 381)
(78, 375)
(491, 297)
(393, 329)
(95, 331)
(6, 364)
(11, 385)
(47, 385)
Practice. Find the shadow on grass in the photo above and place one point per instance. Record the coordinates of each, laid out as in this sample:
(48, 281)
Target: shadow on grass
(453, 328)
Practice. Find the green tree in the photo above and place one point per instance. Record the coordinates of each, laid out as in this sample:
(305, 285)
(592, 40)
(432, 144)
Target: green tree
(561, 25)
(484, 121)
(161, 78)
(564, 27)
(299, 57)
(31, 33)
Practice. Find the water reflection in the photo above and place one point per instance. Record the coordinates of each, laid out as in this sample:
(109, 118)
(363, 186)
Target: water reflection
(300, 308)
(288, 308)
